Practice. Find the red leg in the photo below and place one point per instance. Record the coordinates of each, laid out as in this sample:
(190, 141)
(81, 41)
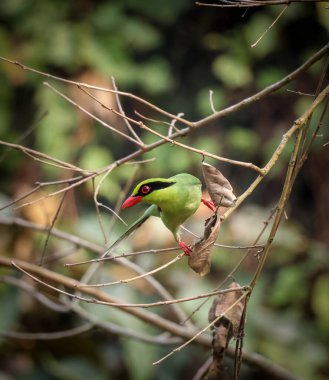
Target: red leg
(209, 204)
(186, 249)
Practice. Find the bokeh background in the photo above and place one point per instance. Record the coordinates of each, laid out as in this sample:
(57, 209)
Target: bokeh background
(171, 53)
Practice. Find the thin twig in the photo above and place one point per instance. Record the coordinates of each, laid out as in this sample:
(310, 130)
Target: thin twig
(32, 291)
(211, 101)
(35, 154)
(129, 126)
(48, 335)
(20, 198)
(123, 193)
(97, 204)
(51, 227)
(254, 3)
(126, 281)
(156, 285)
(263, 93)
(209, 119)
(172, 125)
(271, 26)
(203, 330)
(128, 305)
(203, 153)
(102, 122)
(238, 264)
(129, 254)
(25, 134)
(154, 319)
(39, 185)
(161, 339)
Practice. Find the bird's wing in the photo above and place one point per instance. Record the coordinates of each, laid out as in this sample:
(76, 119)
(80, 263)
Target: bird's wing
(151, 211)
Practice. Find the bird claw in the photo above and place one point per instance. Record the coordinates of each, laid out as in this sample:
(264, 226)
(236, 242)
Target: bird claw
(209, 204)
(186, 249)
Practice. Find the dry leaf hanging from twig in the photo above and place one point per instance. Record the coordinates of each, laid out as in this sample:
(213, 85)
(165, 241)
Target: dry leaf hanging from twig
(221, 193)
(226, 327)
(199, 259)
(219, 188)
(223, 302)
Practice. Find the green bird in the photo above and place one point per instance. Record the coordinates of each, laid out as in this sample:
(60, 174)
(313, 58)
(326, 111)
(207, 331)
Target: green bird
(174, 200)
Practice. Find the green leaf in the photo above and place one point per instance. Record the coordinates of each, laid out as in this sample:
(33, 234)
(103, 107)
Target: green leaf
(139, 35)
(289, 287)
(95, 157)
(320, 302)
(165, 12)
(155, 76)
(139, 357)
(107, 17)
(269, 76)
(9, 307)
(242, 139)
(232, 72)
(73, 368)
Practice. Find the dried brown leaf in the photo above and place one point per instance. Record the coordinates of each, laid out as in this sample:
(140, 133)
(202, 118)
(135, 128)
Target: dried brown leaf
(200, 257)
(219, 188)
(225, 328)
(223, 302)
(221, 337)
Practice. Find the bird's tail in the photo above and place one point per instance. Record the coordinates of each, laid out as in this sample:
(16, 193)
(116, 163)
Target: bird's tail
(151, 211)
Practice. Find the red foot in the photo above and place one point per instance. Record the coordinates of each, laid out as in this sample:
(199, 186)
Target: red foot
(209, 204)
(186, 249)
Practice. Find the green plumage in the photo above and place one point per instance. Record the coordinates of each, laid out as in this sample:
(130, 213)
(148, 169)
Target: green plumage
(173, 200)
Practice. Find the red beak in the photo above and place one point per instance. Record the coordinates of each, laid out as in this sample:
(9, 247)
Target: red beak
(131, 201)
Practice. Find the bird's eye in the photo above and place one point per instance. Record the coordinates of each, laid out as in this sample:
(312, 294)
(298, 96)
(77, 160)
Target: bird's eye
(145, 189)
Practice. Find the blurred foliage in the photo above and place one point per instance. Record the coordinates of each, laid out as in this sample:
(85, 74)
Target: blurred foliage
(171, 53)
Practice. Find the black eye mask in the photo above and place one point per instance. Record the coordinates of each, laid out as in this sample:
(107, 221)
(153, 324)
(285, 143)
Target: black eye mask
(156, 185)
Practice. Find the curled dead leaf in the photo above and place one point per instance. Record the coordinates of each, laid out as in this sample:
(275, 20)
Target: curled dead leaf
(219, 188)
(200, 257)
(222, 306)
(225, 328)
(220, 341)
(221, 193)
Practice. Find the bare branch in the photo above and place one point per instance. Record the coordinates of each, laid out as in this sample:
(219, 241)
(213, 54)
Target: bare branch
(203, 153)
(270, 27)
(154, 319)
(129, 254)
(25, 134)
(32, 291)
(91, 115)
(265, 92)
(204, 329)
(162, 291)
(161, 339)
(254, 3)
(209, 119)
(48, 335)
(36, 154)
(126, 281)
(129, 305)
(129, 126)
(51, 227)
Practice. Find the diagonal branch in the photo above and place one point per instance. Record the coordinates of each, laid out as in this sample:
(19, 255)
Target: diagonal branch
(265, 92)
(91, 115)
(79, 242)
(207, 120)
(154, 319)
(254, 3)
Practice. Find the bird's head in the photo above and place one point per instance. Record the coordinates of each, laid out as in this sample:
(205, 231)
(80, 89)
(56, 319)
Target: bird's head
(148, 191)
